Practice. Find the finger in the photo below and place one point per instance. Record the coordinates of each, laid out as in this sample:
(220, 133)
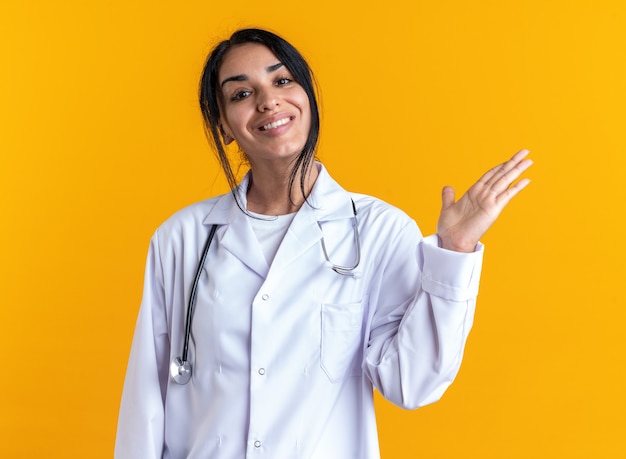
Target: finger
(447, 197)
(511, 192)
(517, 157)
(497, 172)
(505, 180)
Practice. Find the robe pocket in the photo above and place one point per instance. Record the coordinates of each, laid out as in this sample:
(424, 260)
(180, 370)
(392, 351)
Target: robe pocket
(341, 344)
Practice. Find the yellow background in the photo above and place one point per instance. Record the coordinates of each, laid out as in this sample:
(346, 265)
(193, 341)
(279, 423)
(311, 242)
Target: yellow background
(101, 140)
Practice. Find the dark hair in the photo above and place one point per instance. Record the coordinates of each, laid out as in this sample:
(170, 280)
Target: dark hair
(209, 87)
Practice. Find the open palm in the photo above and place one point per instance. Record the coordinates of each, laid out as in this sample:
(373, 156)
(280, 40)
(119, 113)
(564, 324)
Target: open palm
(463, 223)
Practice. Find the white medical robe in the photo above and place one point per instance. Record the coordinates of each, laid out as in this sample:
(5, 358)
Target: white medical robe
(286, 356)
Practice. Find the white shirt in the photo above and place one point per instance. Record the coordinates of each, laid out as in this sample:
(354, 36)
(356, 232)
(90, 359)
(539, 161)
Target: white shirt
(270, 231)
(285, 356)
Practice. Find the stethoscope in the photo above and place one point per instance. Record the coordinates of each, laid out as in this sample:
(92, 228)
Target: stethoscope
(180, 367)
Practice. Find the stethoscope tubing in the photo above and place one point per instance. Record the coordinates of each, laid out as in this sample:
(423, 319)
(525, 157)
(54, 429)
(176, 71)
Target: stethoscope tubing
(194, 293)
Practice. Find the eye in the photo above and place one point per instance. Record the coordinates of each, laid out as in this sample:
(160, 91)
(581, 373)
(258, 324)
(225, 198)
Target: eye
(240, 95)
(283, 81)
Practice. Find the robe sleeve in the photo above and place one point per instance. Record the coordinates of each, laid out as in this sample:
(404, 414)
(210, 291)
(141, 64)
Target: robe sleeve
(140, 427)
(423, 308)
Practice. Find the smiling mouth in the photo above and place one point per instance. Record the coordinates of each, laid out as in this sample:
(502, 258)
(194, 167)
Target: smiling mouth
(275, 124)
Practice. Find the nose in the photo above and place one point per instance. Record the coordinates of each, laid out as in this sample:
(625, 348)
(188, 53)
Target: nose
(266, 100)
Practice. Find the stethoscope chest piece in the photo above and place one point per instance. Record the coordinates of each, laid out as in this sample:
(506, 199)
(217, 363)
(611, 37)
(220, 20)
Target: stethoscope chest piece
(180, 371)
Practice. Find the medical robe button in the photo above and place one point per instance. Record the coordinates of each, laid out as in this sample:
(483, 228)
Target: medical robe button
(257, 444)
(261, 371)
(265, 297)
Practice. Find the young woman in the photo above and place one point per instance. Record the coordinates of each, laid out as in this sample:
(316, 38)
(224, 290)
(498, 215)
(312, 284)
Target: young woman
(304, 297)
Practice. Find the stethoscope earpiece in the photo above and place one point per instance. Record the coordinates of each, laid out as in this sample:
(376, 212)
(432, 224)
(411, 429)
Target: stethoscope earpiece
(180, 371)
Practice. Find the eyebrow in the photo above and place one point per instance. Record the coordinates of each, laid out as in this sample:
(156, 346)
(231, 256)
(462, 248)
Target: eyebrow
(270, 69)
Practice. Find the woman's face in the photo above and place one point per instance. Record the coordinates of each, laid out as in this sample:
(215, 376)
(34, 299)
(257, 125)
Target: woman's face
(262, 107)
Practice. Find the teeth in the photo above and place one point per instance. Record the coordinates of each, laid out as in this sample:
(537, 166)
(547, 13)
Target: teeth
(275, 124)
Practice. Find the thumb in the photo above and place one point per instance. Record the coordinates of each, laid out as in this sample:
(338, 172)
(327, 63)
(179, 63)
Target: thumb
(447, 197)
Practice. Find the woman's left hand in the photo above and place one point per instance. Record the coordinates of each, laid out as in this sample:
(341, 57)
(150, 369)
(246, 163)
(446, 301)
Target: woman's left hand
(463, 223)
